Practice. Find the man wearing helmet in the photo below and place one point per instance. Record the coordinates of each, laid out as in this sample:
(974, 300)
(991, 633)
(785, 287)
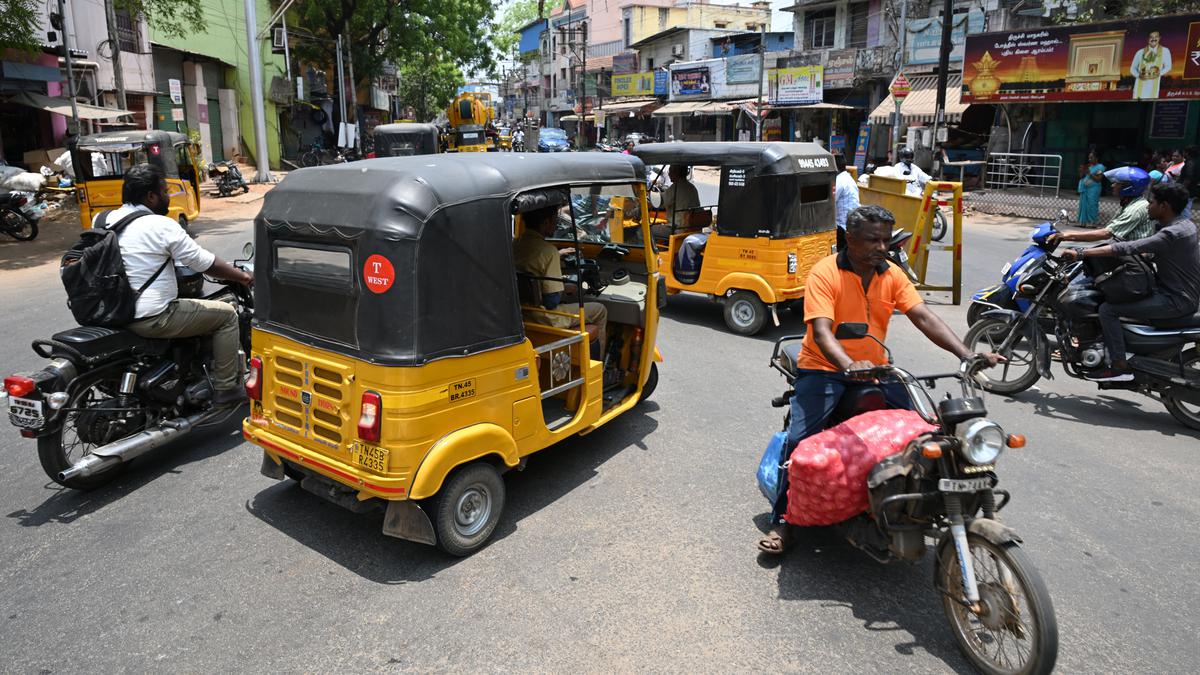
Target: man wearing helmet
(916, 177)
(1129, 184)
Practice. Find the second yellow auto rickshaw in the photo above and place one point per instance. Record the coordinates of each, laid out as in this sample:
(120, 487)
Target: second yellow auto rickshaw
(101, 160)
(774, 218)
(402, 362)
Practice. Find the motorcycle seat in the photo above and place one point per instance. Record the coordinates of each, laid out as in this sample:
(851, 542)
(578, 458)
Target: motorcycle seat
(1191, 321)
(96, 342)
(791, 354)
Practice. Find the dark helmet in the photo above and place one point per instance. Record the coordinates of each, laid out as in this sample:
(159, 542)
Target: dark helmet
(906, 155)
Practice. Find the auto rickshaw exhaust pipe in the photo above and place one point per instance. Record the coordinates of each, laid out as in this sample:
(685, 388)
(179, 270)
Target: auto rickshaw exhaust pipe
(774, 315)
(132, 446)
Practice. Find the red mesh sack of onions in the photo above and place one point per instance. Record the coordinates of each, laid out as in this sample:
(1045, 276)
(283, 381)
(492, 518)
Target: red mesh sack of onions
(827, 479)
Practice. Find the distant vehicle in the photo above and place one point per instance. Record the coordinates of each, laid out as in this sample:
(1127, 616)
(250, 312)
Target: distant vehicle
(638, 138)
(551, 139)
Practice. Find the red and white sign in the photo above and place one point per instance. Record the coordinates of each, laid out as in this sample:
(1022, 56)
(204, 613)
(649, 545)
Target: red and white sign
(378, 274)
(900, 86)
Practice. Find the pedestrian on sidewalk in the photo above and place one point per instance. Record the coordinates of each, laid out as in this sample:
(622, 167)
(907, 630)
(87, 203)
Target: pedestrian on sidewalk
(1090, 178)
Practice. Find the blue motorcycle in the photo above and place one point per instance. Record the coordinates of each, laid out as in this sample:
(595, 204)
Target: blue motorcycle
(1004, 294)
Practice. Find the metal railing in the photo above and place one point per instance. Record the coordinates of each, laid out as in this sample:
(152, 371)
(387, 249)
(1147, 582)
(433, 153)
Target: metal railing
(1027, 172)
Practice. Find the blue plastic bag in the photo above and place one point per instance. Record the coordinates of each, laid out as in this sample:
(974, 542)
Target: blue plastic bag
(772, 476)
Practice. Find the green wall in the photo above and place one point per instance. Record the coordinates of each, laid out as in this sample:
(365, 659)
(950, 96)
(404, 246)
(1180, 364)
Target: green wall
(224, 38)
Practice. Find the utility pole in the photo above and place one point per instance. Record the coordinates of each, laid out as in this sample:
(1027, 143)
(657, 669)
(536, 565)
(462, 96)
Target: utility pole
(341, 85)
(257, 104)
(353, 94)
(583, 85)
(939, 118)
(762, 74)
(903, 33)
(110, 16)
(67, 25)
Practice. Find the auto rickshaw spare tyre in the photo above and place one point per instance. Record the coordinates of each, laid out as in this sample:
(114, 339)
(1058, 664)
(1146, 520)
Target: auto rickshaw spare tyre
(745, 313)
(651, 383)
(467, 508)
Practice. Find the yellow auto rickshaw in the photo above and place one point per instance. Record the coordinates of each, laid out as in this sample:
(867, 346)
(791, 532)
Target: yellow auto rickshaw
(405, 138)
(401, 362)
(101, 160)
(773, 219)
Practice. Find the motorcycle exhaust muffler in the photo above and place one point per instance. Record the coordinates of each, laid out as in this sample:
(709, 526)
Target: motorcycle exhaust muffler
(127, 448)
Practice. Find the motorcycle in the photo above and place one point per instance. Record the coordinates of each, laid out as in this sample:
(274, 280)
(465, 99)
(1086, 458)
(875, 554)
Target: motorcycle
(13, 220)
(1164, 367)
(108, 395)
(942, 486)
(227, 177)
(1004, 294)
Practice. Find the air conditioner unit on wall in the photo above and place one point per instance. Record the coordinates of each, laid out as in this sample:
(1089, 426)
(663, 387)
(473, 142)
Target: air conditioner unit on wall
(676, 50)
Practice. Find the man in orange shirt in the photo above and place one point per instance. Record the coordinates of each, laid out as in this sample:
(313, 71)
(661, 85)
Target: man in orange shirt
(857, 285)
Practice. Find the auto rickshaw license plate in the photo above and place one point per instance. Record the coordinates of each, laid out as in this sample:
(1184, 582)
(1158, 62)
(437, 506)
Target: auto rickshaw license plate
(370, 457)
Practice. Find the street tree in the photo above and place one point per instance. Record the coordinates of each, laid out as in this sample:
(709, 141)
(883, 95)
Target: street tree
(21, 27)
(1090, 11)
(428, 85)
(516, 15)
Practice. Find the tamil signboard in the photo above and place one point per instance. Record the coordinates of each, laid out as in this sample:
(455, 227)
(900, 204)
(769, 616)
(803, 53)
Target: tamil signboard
(839, 68)
(924, 44)
(1145, 59)
(175, 87)
(662, 83)
(742, 69)
(625, 63)
(796, 85)
(690, 82)
(633, 84)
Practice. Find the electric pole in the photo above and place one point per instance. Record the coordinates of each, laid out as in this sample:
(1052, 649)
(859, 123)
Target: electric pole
(114, 40)
(762, 73)
(943, 65)
(900, 56)
(257, 104)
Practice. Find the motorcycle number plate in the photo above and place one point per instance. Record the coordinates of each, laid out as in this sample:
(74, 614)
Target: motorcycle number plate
(903, 256)
(24, 412)
(965, 485)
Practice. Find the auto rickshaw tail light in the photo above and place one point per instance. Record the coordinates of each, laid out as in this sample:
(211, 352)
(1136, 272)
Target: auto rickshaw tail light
(254, 382)
(370, 419)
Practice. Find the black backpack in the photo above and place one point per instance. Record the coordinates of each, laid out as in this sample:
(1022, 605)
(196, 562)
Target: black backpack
(1122, 278)
(93, 272)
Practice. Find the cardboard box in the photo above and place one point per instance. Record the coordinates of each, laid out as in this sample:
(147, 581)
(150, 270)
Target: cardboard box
(34, 160)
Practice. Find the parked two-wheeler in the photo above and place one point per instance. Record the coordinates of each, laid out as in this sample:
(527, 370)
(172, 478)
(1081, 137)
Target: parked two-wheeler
(942, 486)
(1165, 365)
(1004, 295)
(108, 395)
(13, 220)
(227, 177)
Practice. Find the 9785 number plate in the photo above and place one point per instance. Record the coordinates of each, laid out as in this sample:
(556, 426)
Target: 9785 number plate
(965, 485)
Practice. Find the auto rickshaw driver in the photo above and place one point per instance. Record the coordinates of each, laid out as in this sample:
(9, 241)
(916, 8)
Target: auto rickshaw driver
(535, 256)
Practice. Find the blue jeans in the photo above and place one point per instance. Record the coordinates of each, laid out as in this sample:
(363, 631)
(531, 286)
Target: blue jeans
(817, 393)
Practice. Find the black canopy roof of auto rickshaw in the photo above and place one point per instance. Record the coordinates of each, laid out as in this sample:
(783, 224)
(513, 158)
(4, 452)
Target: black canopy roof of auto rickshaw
(441, 223)
(766, 158)
(413, 137)
(109, 138)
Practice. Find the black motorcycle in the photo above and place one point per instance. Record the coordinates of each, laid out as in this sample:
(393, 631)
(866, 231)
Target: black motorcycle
(227, 177)
(942, 487)
(108, 395)
(13, 221)
(1065, 316)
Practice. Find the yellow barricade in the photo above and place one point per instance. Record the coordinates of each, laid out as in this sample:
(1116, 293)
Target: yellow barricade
(916, 214)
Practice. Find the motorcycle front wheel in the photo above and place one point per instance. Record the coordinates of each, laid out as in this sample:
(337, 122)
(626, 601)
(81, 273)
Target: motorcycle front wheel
(18, 225)
(939, 225)
(1019, 372)
(1013, 630)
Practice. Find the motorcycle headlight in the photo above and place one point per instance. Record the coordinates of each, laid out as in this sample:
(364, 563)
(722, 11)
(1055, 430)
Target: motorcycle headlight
(982, 440)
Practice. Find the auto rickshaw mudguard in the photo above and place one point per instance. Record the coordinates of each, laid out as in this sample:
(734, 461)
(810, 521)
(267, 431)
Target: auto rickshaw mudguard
(458, 448)
(658, 355)
(748, 282)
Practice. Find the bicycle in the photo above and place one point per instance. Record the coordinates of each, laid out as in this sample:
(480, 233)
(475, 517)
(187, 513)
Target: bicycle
(316, 154)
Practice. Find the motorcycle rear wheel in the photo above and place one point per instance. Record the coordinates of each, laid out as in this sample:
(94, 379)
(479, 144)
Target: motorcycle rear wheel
(939, 225)
(59, 450)
(1017, 611)
(1186, 413)
(1021, 370)
(18, 225)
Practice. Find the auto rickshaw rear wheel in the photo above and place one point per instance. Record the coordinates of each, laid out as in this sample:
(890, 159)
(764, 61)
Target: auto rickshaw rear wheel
(651, 382)
(467, 508)
(745, 313)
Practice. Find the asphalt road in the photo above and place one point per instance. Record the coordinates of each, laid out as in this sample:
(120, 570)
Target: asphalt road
(629, 549)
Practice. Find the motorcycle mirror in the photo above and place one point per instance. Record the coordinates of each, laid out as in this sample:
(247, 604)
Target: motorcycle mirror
(248, 250)
(851, 331)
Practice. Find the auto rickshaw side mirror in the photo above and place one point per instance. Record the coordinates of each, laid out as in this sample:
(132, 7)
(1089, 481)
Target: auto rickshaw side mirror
(851, 331)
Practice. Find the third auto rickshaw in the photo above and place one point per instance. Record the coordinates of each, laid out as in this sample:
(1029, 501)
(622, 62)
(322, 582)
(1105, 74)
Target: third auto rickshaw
(101, 160)
(774, 219)
(401, 361)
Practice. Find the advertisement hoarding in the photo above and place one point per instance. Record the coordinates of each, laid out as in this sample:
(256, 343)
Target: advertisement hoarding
(924, 43)
(742, 69)
(690, 82)
(797, 85)
(633, 84)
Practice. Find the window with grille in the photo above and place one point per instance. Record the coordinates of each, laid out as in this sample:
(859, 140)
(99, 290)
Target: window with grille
(128, 35)
(856, 26)
(819, 28)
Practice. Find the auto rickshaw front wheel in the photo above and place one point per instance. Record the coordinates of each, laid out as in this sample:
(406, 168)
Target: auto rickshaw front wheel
(467, 508)
(745, 313)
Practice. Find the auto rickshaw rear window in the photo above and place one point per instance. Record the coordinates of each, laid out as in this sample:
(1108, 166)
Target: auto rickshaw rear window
(312, 265)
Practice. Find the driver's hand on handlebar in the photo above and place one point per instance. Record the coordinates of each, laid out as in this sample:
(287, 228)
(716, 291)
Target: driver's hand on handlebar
(860, 370)
(1072, 254)
(247, 279)
(989, 359)
(566, 251)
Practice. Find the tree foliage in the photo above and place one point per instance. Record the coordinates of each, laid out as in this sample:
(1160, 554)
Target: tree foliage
(22, 27)
(1091, 11)
(428, 85)
(400, 31)
(516, 15)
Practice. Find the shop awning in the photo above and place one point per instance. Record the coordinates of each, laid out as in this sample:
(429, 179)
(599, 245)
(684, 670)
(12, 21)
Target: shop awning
(575, 118)
(921, 104)
(62, 106)
(622, 107)
(681, 108)
(813, 106)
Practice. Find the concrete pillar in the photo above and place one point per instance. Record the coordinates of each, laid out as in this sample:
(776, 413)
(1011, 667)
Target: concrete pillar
(195, 102)
(230, 131)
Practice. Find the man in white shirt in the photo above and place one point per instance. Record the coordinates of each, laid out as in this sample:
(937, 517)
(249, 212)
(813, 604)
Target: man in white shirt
(678, 200)
(845, 198)
(154, 240)
(916, 177)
